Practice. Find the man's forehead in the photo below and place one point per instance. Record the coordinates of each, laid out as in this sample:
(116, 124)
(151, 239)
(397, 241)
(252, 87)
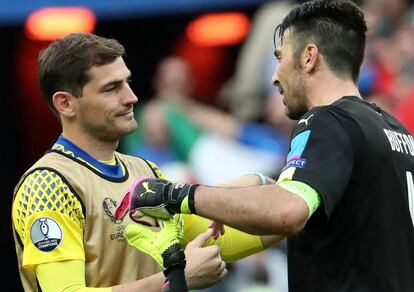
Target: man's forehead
(281, 39)
(277, 37)
(105, 71)
(102, 75)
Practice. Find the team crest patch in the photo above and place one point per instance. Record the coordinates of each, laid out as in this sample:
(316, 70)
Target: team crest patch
(45, 234)
(296, 162)
(110, 207)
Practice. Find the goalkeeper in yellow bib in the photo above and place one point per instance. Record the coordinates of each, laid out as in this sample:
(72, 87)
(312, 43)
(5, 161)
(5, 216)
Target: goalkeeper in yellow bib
(66, 233)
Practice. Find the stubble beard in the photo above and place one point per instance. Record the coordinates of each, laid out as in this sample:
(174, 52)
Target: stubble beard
(109, 132)
(297, 111)
(296, 98)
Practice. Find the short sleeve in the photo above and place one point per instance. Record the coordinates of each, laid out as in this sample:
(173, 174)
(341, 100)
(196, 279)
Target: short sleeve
(321, 156)
(49, 220)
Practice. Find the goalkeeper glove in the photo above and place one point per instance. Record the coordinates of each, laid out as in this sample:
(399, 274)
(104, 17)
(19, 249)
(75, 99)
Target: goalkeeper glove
(163, 246)
(161, 198)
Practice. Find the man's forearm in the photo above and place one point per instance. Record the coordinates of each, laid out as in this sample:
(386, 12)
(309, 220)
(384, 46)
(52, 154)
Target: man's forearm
(270, 240)
(152, 283)
(262, 210)
(248, 180)
(70, 274)
(255, 210)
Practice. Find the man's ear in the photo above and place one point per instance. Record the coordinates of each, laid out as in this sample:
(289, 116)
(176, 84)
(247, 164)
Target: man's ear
(310, 58)
(65, 103)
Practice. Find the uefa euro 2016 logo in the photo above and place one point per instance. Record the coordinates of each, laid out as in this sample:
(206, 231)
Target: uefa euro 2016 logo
(45, 234)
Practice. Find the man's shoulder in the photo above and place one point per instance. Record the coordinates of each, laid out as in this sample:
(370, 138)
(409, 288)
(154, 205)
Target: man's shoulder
(347, 109)
(52, 163)
(315, 118)
(39, 164)
(40, 175)
(50, 159)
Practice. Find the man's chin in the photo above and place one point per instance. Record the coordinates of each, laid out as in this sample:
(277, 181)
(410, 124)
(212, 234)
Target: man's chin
(128, 129)
(288, 113)
(131, 129)
(293, 115)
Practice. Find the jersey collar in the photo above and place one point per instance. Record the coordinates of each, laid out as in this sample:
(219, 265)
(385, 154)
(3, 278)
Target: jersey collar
(68, 147)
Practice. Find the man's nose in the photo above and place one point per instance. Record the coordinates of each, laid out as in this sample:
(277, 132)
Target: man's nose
(130, 96)
(275, 79)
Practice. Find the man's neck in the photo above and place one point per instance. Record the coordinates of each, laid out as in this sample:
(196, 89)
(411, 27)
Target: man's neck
(97, 148)
(326, 91)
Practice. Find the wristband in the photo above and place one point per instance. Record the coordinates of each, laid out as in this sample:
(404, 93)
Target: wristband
(262, 177)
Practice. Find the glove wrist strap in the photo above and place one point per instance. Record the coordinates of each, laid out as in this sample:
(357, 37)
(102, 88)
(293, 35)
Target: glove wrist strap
(191, 203)
(180, 198)
(175, 279)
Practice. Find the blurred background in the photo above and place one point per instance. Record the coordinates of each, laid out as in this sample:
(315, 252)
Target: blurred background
(201, 70)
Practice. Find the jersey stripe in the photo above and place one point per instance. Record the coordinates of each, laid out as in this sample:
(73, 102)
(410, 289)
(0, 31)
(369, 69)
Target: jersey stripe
(298, 144)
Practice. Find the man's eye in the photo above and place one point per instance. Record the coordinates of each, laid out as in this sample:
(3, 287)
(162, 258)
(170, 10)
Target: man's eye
(112, 88)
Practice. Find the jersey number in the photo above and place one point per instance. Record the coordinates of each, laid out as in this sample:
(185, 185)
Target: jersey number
(410, 185)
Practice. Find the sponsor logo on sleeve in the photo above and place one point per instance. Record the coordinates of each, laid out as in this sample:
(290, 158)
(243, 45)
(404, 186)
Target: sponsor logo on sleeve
(295, 162)
(45, 234)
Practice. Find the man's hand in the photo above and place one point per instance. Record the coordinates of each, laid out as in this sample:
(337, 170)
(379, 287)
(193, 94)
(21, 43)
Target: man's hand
(218, 228)
(205, 266)
(161, 198)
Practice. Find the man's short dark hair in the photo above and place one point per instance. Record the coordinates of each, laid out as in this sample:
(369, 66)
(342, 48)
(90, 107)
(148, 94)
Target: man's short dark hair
(63, 65)
(337, 27)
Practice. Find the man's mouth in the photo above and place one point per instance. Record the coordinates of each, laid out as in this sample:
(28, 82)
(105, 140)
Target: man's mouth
(280, 89)
(126, 113)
